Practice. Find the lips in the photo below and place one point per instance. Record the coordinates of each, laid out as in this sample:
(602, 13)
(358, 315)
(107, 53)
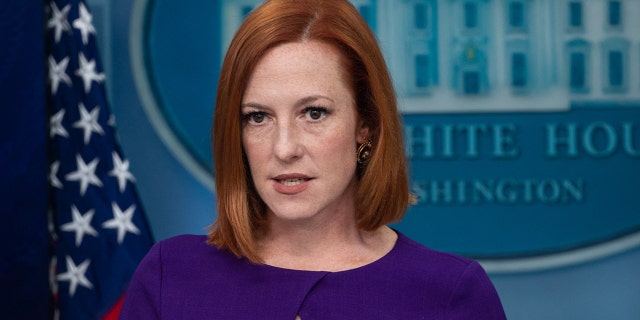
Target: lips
(291, 184)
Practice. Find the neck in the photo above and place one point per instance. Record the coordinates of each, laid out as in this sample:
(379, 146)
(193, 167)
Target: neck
(334, 245)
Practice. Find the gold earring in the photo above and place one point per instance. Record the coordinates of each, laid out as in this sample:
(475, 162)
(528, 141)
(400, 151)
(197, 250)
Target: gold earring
(364, 152)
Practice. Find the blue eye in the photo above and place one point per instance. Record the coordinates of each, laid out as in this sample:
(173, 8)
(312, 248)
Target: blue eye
(315, 113)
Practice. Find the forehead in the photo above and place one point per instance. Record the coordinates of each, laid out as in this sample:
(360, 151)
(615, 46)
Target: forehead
(319, 63)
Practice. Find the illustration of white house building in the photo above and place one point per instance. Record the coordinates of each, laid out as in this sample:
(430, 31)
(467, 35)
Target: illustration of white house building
(501, 55)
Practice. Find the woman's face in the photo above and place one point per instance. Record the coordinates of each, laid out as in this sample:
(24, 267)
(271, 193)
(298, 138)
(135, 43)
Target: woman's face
(300, 131)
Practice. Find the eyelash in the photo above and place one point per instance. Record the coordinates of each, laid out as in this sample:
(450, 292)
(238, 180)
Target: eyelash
(322, 110)
(246, 117)
(249, 115)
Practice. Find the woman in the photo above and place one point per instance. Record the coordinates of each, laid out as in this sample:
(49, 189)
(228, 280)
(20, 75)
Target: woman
(309, 169)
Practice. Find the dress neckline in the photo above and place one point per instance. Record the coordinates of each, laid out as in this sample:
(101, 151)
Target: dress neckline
(373, 263)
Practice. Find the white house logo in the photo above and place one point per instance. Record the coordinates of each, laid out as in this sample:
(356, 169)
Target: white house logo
(522, 117)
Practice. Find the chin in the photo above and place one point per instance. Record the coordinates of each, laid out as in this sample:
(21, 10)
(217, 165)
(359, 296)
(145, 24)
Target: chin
(290, 215)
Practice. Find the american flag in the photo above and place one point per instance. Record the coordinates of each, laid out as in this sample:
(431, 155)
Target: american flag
(98, 227)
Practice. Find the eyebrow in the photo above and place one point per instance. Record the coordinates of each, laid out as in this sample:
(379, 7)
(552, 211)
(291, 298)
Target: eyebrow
(300, 102)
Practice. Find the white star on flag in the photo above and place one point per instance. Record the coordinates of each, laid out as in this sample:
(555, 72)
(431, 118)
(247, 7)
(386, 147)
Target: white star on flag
(57, 73)
(121, 171)
(81, 224)
(83, 23)
(59, 20)
(85, 221)
(53, 175)
(121, 221)
(55, 124)
(85, 173)
(76, 275)
(87, 72)
(88, 122)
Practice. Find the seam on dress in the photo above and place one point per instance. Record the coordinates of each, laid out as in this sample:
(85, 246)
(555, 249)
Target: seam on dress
(304, 298)
(455, 288)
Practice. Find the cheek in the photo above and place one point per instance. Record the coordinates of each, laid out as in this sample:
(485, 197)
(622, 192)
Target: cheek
(340, 146)
(254, 151)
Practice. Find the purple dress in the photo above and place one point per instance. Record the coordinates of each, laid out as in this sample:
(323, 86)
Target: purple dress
(185, 278)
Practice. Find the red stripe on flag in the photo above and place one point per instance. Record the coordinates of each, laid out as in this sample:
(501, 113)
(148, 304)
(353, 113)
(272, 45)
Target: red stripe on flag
(115, 311)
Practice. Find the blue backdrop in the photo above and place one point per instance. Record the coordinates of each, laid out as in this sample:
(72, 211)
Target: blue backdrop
(24, 253)
(525, 166)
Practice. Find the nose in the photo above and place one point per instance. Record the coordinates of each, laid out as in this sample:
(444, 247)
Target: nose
(287, 146)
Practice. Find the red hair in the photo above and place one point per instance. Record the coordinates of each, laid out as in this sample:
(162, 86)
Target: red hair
(382, 193)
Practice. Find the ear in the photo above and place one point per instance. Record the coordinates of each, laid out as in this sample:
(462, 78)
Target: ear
(363, 132)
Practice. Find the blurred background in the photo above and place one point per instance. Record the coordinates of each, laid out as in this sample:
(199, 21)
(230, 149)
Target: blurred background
(522, 128)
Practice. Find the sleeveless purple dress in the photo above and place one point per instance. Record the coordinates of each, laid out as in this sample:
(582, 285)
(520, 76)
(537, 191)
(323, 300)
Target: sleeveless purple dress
(185, 278)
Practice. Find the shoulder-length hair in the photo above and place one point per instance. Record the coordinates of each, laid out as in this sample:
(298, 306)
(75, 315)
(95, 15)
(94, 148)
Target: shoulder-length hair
(382, 193)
